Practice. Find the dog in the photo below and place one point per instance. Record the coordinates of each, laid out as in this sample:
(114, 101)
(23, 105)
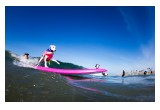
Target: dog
(48, 55)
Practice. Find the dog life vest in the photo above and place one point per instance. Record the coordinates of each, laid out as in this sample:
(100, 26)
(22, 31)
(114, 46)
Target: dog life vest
(49, 55)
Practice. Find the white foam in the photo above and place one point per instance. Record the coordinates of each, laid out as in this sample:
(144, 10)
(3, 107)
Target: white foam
(22, 62)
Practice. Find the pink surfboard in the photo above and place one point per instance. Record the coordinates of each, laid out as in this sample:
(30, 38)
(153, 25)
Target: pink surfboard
(71, 71)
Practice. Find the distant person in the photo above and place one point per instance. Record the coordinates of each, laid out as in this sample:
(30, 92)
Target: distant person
(150, 70)
(145, 72)
(48, 55)
(123, 74)
(26, 55)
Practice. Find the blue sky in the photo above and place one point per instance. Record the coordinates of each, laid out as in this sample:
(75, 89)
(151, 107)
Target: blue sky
(117, 38)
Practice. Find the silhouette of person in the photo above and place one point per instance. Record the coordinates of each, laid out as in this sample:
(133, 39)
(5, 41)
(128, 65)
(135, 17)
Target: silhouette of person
(123, 74)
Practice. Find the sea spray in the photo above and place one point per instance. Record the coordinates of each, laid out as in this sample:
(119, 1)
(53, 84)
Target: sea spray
(22, 62)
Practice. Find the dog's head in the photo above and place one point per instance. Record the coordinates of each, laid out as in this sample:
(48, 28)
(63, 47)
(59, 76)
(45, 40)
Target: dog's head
(53, 48)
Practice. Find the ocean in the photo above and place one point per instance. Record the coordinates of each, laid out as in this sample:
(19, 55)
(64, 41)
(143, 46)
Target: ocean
(23, 83)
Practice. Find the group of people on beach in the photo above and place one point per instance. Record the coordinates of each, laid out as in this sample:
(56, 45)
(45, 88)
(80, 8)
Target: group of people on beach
(141, 72)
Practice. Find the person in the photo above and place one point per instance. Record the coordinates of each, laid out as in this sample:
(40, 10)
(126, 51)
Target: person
(48, 55)
(145, 72)
(123, 74)
(26, 55)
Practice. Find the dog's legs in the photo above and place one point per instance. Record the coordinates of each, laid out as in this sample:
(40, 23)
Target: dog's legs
(45, 61)
(55, 61)
(42, 58)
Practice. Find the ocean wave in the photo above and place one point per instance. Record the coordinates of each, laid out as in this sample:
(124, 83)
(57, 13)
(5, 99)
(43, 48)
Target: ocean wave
(19, 60)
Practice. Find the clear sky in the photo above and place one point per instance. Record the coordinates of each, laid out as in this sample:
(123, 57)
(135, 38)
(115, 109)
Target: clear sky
(117, 38)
